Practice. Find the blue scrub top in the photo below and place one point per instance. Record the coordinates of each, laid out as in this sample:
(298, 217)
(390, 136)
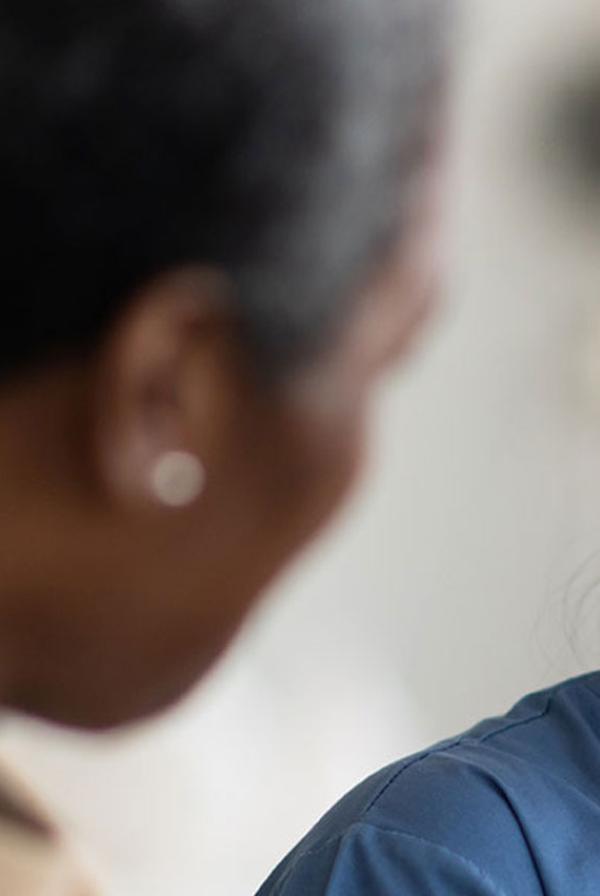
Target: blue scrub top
(511, 808)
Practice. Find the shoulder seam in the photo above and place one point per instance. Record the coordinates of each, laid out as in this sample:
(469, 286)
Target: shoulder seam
(447, 746)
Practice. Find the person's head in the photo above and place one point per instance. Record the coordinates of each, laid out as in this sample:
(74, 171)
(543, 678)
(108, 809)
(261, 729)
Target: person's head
(212, 218)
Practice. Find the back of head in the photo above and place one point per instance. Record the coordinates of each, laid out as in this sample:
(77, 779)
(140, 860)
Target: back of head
(277, 140)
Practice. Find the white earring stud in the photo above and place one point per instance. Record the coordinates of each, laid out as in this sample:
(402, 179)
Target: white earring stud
(177, 478)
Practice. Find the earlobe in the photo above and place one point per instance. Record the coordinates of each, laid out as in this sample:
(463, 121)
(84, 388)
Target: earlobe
(177, 479)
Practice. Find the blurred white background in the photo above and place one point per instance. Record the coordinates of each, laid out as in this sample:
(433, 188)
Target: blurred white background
(463, 574)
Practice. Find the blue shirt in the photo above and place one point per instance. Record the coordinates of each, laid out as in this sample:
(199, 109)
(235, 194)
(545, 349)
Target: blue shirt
(511, 808)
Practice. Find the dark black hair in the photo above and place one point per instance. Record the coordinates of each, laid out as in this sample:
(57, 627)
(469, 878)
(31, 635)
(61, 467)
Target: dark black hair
(277, 139)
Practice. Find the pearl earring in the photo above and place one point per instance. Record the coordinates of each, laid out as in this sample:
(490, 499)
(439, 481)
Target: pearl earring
(177, 478)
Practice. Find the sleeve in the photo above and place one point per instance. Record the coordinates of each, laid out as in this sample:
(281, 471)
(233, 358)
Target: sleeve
(370, 861)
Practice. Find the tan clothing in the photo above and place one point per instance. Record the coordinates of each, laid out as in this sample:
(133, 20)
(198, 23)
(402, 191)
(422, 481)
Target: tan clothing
(34, 859)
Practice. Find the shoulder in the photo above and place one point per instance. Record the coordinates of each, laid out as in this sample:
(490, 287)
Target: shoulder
(462, 816)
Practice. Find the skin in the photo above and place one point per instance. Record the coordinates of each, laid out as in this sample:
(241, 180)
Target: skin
(112, 604)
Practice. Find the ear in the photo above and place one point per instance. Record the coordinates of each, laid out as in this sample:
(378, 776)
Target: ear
(163, 385)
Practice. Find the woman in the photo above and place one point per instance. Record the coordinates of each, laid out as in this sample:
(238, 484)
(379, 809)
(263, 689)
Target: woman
(213, 224)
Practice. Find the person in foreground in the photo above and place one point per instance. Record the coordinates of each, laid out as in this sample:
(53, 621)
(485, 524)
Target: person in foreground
(215, 221)
(215, 230)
